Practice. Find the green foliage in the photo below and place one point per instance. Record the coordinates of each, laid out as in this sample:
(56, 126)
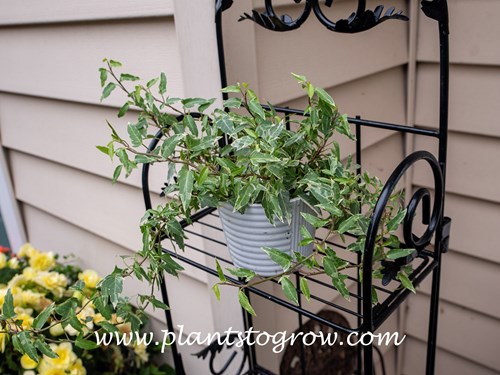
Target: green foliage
(262, 162)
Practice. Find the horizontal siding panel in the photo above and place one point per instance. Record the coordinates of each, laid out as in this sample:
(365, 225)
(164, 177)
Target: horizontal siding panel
(463, 276)
(446, 362)
(463, 332)
(474, 29)
(45, 11)
(61, 61)
(66, 133)
(474, 223)
(473, 98)
(473, 167)
(327, 59)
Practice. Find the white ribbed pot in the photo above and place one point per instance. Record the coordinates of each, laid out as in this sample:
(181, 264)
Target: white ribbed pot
(246, 234)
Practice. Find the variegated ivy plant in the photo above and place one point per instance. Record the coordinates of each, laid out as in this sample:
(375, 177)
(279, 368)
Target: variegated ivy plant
(260, 161)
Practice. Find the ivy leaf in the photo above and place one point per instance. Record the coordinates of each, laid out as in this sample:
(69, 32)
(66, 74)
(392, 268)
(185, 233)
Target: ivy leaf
(220, 273)
(84, 344)
(394, 223)
(314, 220)
(279, 257)
(101, 303)
(216, 290)
(123, 110)
(8, 306)
(108, 90)
(304, 288)
(116, 173)
(135, 135)
(128, 77)
(348, 224)
(27, 345)
(190, 124)
(405, 281)
(111, 286)
(330, 267)
(323, 95)
(289, 290)
(44, 348)
(245, 302)
(163, 84)
(168, 146)
(242, 272)
(41, 318)
(66, 307)
(399, 253)
(339, 284)
(103, 76)
(229, 89)
(108, 327)
(243, 197)
(186, 180)
(115, 64)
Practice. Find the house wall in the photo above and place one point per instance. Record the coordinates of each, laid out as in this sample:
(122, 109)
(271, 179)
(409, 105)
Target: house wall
(51, 119)
(469, 313)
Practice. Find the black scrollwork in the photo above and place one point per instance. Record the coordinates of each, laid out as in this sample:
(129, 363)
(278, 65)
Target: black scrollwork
(360, 20)
(420, 197)
(216, 347)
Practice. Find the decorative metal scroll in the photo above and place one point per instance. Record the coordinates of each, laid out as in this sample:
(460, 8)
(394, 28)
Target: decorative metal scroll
(217, 346)
(360, 20)
(420, 198)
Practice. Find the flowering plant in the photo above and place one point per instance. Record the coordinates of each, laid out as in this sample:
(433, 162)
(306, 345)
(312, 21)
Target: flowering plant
(50, 313)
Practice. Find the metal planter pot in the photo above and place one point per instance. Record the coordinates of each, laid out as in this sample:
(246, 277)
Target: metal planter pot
(247, 233)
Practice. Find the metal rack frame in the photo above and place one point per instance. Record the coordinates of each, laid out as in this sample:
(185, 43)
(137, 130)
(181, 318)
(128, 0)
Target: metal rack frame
(427, 261)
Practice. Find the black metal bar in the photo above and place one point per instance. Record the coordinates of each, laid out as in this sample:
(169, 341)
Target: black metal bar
(359, 255)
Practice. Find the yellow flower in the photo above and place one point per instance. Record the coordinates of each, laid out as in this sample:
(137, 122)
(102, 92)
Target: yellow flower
(65, 358)
(28, 363)
(29, 273)
(43, 261)
(3, 260)
(86, 312)
(53, 281)
(27, 251)
(142, 356)
(13, 263)
(77, 368)
(90, 278)
(27, 320)
(56, 330)
(3, 341)
(52, 371)
(98, 318)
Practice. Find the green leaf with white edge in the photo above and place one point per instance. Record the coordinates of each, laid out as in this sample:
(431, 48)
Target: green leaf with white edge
(17, 343)
(151, 82)
(103, 149)
(243, 273)
(27, 345)
(134, 134)
(101, 303)
(339, 283)
(304, 288)
(243, 197)
(330, 267)
(112, 286)
(123, 110)
(220, 273)
(115, 64)
(185, 181)
(64, 309)
(108, 327)
(278, 256)
(399, 253)
(189, 122)
(348, 224)
(79, 285)
(128, 77)
(227, 164)
(103, 76)
(229, 89)
(323, 95)
(42, 318)
(259, 158)
(116, 173)
(158, 304)
(85, 344)
(245, 302)
(405, 281)
(108, 90)
(216, 291)
(8, 305)
(305, 234)
(44, 348)
(163, 84)
(314, 220)
(232, 103)
(169, 144)
(374, 296)
(394, 223)
(299, 78)
(289, 289)
(255, 107)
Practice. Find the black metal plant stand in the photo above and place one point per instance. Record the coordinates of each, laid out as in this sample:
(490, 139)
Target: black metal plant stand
(427, 261)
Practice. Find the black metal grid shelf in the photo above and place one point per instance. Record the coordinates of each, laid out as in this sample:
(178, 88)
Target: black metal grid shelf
(428, 261)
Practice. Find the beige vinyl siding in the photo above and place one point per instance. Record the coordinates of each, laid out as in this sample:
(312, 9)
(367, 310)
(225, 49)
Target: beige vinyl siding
(469, 318)
(51, 119)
